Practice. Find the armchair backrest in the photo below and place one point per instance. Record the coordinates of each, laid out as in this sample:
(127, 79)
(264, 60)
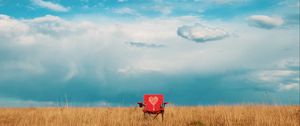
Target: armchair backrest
(153, 102)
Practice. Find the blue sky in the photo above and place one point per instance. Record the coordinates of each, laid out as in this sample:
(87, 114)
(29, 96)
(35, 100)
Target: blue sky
(111, 52)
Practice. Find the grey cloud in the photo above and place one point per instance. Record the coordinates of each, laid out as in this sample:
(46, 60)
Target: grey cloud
(145, 45)
(265, 22)
(201, 33)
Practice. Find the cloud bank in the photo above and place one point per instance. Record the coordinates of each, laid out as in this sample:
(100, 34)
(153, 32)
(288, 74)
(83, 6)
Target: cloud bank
(87, 62)
(200, 33)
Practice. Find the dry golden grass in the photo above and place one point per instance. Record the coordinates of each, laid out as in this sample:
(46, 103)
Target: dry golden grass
(241, 115)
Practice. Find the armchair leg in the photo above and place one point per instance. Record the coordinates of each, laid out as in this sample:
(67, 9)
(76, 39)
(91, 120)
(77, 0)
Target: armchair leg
(156, 116)
(162, 116)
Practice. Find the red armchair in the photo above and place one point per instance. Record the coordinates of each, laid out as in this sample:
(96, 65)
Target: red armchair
(153, 104)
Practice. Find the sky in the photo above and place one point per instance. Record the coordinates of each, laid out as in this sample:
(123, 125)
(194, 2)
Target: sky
(111, 52)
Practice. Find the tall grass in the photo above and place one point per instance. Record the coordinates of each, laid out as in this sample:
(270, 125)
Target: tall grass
(240, 115)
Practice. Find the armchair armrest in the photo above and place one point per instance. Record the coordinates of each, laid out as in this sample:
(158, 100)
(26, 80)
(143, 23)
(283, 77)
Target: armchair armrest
(141, 104)
(164, 104)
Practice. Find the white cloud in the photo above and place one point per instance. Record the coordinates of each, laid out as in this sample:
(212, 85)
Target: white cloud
(4, 16)
(126, 10)
(201, 33)
(165, 10)
(289, 86)
(51, 6)
(51, 25)
(10, 28)
(266, 22)
(275, 75)
(284, 77)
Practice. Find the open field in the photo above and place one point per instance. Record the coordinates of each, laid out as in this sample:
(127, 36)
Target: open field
(241, 115)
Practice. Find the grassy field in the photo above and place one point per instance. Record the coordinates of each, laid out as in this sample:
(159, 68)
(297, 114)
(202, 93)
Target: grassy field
(240, 115)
